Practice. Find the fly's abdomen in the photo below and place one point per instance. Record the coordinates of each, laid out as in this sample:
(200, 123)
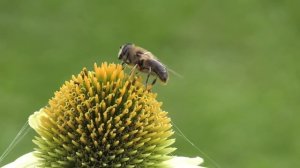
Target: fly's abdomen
(159, 69)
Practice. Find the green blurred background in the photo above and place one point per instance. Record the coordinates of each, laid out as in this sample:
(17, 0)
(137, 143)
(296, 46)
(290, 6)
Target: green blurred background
(239, 98)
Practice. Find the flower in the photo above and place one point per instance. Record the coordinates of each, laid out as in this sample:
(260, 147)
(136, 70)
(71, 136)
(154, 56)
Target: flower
(103, 118)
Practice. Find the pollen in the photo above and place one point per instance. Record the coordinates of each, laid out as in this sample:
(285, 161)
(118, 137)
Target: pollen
(103, 118)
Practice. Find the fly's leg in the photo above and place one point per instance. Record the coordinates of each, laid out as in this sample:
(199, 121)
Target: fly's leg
(123, 65)
(154, 81)
(149, 72)
(132, 72)
(133, 69)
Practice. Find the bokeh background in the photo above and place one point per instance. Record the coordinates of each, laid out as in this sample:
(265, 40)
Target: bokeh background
(238, 100)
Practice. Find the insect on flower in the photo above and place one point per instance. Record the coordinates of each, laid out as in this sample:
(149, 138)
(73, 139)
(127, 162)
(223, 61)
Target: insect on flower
(144, 61)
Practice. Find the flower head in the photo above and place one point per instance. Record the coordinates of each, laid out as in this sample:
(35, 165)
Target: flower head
(103, 118)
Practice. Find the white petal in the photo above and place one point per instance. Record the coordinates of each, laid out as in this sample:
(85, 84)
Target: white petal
(35, 119)
(26, 161)
(183, 162)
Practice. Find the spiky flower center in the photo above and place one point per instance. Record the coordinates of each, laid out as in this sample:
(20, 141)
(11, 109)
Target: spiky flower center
(103, 118)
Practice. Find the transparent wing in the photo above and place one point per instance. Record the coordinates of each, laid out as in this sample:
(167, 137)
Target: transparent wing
(150, 55)
(171, 70)
(174, 72)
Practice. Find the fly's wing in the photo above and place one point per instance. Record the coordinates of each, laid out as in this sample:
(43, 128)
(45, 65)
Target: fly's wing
(174, 72)
(169, 69)
(149, 55)
(145, 55)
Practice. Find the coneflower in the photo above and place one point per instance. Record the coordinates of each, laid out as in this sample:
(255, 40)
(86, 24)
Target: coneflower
(103, 118)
